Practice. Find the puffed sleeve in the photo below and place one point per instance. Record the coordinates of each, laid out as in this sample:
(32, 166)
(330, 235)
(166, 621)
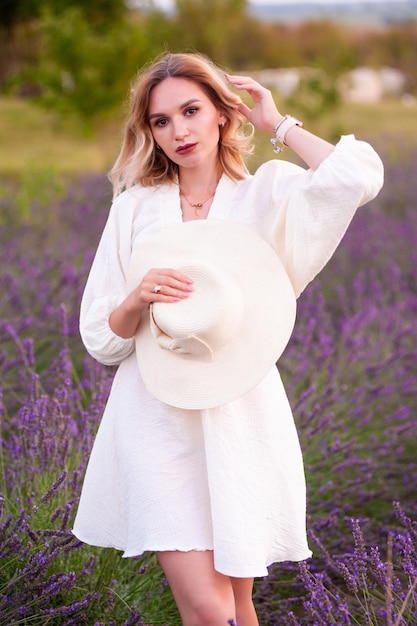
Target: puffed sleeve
(310, 211)
(105, 288)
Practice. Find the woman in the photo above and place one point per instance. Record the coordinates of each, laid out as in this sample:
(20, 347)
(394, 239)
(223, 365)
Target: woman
(216, 490)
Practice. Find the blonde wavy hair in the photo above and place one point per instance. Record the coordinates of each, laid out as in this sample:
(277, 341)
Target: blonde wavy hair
(139, 162)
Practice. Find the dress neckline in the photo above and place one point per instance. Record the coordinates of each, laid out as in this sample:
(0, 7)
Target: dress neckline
(221, 199)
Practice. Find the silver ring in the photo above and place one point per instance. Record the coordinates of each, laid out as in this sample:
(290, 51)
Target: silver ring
(156, 289)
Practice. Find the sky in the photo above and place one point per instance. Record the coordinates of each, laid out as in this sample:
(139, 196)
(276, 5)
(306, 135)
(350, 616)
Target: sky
(169, 3)
(318, 1)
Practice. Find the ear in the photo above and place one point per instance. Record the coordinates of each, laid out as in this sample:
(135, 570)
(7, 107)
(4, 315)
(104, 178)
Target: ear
(222, 120)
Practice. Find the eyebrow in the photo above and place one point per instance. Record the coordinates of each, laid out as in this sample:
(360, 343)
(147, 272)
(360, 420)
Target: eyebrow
(182, 106)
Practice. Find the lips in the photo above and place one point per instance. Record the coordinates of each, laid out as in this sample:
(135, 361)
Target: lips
(186, 148)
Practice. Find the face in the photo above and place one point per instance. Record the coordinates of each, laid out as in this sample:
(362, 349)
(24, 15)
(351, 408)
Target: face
(184, 122)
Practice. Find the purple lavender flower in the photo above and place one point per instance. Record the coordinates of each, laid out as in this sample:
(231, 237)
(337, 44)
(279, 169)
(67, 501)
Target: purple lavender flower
(350, 373)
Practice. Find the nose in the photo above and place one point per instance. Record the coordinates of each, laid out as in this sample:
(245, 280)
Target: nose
(180, 128)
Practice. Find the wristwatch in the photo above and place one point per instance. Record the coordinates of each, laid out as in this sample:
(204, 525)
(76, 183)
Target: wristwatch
(281, 129)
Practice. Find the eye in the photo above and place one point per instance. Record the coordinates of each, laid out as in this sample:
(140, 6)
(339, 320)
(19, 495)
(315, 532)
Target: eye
(160, 123)
(191, 110)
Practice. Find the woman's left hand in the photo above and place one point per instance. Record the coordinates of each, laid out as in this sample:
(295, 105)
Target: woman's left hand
(264, 115)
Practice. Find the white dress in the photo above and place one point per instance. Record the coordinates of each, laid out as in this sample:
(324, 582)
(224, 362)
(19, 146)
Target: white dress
(228, 479)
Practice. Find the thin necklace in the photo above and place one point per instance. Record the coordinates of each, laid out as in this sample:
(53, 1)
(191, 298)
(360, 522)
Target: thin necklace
(197, 205)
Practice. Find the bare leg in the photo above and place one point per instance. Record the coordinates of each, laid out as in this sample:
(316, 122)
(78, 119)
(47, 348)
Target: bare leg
(204, 596)
(245, 611)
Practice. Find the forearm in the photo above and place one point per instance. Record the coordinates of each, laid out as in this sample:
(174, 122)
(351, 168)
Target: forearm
(125, 319)
(265, 116)
(172, 286)
(310, 148)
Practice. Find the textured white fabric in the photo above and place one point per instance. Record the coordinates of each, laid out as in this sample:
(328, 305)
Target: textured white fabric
(194, 355)
(230, 479)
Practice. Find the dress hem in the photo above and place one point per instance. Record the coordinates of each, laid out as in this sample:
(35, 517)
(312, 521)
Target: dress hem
(255, 571)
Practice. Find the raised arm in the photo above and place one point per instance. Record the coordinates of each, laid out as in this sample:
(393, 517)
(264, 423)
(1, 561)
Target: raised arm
(265, 116)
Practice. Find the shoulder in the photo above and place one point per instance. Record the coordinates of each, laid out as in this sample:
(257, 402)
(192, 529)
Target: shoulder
(275, 168)
(131, 201)
(278, 168)
(268, 173)
(133, 195)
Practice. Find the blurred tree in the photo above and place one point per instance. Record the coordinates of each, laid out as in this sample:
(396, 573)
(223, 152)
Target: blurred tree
(85, 71)
(80, 55)
(326, 45)
(160, 30)
(315, 95)
(396, 48)
(19, 34)
(14, 12)
(204, 25)
(246, 43)
(97, 11)
(282, 47)
(210, 7)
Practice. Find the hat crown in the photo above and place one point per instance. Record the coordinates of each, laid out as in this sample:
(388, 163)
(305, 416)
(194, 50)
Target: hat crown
(223, 339)
(200, 326)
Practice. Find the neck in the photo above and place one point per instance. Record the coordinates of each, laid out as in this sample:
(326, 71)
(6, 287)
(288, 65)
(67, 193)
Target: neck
(201, 184)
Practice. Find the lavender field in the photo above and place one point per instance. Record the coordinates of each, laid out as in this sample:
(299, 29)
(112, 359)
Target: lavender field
(351, 375)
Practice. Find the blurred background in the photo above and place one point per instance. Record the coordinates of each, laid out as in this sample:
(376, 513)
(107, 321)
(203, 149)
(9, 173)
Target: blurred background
(66, 67)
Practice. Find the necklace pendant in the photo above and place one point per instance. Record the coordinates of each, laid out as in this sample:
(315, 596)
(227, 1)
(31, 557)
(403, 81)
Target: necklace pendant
(196, 205)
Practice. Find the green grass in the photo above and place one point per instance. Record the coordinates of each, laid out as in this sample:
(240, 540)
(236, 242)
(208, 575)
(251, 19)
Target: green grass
(32, 139)
(37, 140)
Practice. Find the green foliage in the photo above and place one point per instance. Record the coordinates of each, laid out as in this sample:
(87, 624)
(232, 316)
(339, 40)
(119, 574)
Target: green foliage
(43, 568)
(206, 25)
(396, 48)
(46, 575)
(214, 8)
(325, 45)
(84, 70)
(78, 58)
(37, 188)
(247, 43)
(224, 30)
(316, 94)
(15, 11)
(102, 11)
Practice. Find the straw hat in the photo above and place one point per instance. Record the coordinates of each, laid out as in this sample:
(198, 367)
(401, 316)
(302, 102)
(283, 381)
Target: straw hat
(220, 342)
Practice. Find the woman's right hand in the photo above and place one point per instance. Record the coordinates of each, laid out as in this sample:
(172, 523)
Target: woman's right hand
(158, 285)
(161, 285)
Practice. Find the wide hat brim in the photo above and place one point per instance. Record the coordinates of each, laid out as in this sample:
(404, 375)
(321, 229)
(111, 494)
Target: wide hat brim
(265, 326)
